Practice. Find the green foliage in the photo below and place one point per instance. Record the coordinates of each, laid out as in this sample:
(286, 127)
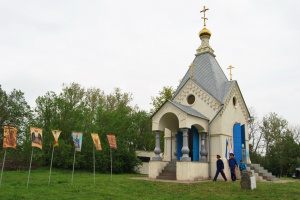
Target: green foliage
(91, 111)
(165, 94)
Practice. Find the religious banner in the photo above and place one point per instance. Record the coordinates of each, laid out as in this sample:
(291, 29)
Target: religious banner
(77, 139)
(112, 140)
(36, 137)
(56, 134)
(96, 141)
(10, 137)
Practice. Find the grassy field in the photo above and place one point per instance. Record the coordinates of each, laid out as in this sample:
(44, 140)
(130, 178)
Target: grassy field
(122, 187)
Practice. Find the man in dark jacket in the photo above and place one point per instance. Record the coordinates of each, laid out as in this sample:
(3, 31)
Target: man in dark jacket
(232, 165)
(220, 168)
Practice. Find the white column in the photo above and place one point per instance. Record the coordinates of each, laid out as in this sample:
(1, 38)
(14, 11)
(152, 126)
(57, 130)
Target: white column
(203, 151)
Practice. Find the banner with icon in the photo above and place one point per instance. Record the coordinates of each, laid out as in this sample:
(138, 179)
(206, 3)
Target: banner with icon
(96, 141)
(112, 141)
(56, 134)
(77, 139)
(36, 137)
(10, 137)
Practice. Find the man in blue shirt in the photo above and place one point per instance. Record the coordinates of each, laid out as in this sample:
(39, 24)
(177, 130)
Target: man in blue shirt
(220, 168)
(232, 165)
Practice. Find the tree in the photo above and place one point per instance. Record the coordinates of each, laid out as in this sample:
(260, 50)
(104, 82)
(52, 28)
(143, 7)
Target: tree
(272, 128)
(165, 94)
(15, 111)
(255, 135)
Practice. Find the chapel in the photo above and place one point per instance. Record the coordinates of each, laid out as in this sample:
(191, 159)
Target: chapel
(206, 113)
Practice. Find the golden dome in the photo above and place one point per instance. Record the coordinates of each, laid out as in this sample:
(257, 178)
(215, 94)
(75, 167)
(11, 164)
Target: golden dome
(204, 32)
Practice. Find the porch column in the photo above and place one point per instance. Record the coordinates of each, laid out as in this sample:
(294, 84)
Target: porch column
(175, 142)
(203, 151)
(185, 148)
(157, 149)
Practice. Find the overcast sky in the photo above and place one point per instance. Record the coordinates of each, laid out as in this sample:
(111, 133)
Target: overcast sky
(142, 45)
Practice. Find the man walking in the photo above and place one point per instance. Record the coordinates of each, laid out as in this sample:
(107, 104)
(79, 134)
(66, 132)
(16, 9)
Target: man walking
(232, 165)
(220, 168)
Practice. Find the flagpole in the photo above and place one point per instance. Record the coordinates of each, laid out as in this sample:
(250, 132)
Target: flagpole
(51, 165)
(29, 168)
(73, 165)
(94, 164)
(3, 166)
(110, 165)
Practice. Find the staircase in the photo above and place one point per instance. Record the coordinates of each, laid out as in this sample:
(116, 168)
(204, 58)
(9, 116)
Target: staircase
(261, 172)
(169, 172)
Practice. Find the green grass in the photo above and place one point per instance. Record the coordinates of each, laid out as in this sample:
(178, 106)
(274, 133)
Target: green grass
(121, 187)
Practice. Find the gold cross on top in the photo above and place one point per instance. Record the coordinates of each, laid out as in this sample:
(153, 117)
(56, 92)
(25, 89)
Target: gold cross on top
(230, 67)
(191, 66)
(204, 10)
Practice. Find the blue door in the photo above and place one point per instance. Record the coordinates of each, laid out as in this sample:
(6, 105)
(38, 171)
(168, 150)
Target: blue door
(179, 145)
(195, 144)
(237, 142)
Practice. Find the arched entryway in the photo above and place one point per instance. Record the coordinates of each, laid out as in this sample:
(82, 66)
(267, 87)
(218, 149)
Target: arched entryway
(193, 143)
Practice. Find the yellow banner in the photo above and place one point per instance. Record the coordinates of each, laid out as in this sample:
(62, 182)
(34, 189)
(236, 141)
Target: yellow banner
(10, 137)
(36, 137)
(96, 141)
(56, 134)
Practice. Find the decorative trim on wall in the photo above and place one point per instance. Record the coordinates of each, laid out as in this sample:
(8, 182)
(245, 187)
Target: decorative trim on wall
(192, 88)
(235, 92)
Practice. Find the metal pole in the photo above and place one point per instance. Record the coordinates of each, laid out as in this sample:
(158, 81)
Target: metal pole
(94, 163)
(110, 165)
(3, 166)
(73, 166)
(29, 168)
(51, 166)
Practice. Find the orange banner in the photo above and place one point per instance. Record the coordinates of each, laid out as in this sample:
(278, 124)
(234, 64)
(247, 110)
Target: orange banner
(10, 137)
(96, 141)
(36, 137)
(112, 140)
(56, 134)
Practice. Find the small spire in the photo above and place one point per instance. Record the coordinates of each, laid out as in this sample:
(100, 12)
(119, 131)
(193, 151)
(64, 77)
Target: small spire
(204, 35)
(204, 18)
(230, 67)
(191, 66)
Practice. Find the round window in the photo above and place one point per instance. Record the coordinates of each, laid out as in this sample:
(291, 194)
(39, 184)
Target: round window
(191, 99)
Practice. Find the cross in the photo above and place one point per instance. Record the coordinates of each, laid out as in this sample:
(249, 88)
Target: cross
(191, 66)
(230, 67)
(204, 10)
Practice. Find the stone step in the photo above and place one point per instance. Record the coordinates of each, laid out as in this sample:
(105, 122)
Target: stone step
(168, 171)
(167, 174)
(267, 176)
(166, 177)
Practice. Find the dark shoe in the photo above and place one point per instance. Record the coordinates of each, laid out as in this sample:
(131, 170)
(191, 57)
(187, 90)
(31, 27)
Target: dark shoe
(214, 180)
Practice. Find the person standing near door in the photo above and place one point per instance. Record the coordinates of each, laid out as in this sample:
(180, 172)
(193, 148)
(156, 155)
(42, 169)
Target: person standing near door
(232, 165)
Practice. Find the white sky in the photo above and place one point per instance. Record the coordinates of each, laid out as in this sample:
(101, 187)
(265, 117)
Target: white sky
(143, 45)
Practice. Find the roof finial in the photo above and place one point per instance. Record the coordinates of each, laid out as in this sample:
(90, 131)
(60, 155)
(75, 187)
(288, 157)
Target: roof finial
(191, 66)
(230, 67)
(204, 18)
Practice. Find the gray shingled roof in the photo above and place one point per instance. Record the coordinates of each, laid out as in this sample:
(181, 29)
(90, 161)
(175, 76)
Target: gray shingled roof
(209, 76)
(188, 110)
